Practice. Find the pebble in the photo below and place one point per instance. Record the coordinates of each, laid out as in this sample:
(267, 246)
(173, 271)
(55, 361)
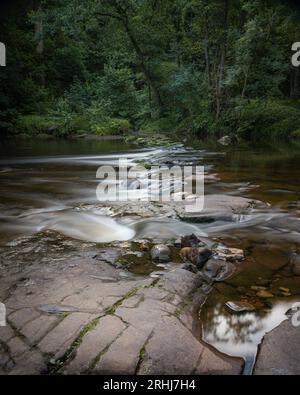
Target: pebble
(239, 307)
(123, 274)
(257, 289)
(285, 290)
(157, 274)
(286, 294)
(145, 246)
(265, 294)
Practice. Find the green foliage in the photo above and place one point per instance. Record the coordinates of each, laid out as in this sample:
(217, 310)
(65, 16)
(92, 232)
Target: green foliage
(104, 67)
(37, 125)
(34, 124)
(258, 119)
(111, 126)
(166, 124)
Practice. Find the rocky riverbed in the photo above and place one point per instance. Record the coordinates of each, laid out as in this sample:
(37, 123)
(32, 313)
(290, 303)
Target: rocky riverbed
(72, 308)
(80, 302)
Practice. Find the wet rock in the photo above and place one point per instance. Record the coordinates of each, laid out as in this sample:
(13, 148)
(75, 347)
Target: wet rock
(109, 256)
(225, 140)
(123, 274)
(204, 254)
(292, 311)
(230, 254)
(189, 267)
(295, 261)
(191, 241)
(189, 254)
(177, 243)
(126, 245)
(285, 290)
(279, 353)
(144, 245)
(239, 307)
(218, 270)
(220, 207)
(206, 288)
(197, 256)
(138, 254)
(263, 294)
(161, 253)
(157, 274)
(258, 289)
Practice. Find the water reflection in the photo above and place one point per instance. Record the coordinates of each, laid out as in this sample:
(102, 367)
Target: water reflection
(240, 334)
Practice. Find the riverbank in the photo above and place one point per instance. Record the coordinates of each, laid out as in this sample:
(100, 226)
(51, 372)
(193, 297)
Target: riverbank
(71, 309)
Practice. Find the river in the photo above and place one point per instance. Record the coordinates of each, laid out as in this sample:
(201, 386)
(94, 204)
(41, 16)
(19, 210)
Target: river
(52, 185)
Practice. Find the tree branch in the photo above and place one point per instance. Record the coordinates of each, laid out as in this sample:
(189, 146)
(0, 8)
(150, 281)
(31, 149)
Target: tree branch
(108, 15)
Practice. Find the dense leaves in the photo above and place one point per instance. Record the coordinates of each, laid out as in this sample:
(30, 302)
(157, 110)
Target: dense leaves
(105, 66)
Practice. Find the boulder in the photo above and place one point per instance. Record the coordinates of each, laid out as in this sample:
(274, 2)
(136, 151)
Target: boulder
(197, 256)
(220, 207)
(204, 254)
(190, 241)
(161, 253)
(217, 270)
(279, 352)
(225, 140)
(189, 254)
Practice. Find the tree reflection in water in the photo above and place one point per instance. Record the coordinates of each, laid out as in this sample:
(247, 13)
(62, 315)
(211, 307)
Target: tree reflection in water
(240, 334)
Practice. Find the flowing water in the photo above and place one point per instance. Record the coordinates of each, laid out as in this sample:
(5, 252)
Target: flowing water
(52, 185)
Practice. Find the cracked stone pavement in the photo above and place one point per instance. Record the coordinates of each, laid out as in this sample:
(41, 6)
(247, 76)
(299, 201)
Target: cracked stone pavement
(76, 315)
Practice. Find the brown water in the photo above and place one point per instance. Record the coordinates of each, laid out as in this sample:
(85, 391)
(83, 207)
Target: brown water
(52, 185)
(271, 175)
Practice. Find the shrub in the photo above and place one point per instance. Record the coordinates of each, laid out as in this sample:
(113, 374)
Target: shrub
(112, 126)
(257, 119)
(35, 124)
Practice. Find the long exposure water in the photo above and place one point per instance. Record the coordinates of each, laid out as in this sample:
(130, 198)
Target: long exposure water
(52, 185)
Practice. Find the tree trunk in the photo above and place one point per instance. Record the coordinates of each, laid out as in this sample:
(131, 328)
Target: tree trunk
(295, 83)
(207, 56)
(246, 74)
(143, 65)
(221, 70)
(39, 33)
